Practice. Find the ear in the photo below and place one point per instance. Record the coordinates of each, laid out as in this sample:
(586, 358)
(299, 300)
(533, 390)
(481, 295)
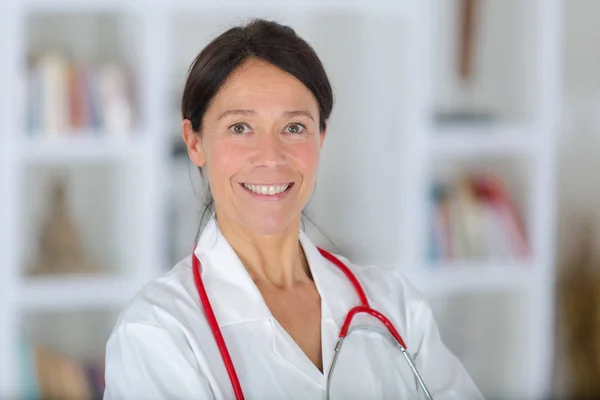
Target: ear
(323, 133)
(193, 142)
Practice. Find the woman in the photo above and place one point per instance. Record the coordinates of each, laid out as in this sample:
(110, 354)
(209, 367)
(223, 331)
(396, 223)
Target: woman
(255, 110)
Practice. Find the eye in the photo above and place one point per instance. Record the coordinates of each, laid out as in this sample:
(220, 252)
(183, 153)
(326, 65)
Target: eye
(239, 128)
(295, 128)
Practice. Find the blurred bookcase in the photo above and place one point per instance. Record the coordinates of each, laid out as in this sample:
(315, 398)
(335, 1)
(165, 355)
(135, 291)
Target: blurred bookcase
(82, 187)
(481, 225)
(404, 129)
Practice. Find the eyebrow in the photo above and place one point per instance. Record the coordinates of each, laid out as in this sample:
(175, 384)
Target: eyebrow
(299, 113)
(294, 113)
(236, 112)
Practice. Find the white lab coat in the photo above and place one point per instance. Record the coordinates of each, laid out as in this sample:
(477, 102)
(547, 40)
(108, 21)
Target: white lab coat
(163, 348)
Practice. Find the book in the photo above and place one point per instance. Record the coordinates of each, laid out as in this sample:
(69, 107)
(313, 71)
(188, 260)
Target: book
(475, 218)
(65, 96)
(50, 374)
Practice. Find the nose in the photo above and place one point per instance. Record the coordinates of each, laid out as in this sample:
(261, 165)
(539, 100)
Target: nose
(269, 151)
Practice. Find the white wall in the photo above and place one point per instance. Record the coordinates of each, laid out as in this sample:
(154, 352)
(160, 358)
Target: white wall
(579, 146)
(580, 134)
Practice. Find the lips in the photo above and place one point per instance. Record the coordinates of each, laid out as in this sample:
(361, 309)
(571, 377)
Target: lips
(268, 190)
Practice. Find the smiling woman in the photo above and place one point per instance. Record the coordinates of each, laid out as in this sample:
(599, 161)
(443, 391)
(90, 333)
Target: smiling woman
(258, 309)
(259, 141)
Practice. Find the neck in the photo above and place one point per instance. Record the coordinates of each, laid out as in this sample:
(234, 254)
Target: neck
(276, 260)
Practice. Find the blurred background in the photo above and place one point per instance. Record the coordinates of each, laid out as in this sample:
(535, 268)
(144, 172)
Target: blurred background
(462, 151)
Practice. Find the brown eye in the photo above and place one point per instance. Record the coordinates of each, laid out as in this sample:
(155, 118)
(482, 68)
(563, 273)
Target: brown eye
(295, 128)
(239, 129)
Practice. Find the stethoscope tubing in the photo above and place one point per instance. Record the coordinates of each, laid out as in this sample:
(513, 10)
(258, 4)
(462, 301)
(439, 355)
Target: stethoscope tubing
(385, 333)
(364, 307)
(216, 330)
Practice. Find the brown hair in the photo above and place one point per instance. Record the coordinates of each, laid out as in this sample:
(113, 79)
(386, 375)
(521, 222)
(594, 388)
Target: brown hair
(266, 40)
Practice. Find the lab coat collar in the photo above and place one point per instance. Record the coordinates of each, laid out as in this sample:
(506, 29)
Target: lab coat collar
(236, 297)
(337, 293)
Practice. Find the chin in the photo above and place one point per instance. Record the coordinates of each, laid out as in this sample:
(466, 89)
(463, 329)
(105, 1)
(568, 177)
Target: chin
(269, 225)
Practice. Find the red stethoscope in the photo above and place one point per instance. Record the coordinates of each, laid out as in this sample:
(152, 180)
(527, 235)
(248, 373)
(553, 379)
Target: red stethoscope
(364, 307)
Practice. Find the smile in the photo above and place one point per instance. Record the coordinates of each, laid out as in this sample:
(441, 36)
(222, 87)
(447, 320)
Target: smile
(269, 190)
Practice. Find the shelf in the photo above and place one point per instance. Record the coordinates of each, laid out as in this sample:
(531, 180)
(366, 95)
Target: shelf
(78, 334)
(75, 292)
(401, 7)
(474, 277)
(82, 148)
(81, 70)
(472, 325)
(62, 353)
(484, 140)
(81, 6)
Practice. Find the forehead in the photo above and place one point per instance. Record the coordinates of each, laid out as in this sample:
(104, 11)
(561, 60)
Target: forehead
(257, 83)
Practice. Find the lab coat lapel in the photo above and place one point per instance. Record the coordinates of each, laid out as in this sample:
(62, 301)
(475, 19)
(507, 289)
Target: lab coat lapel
(335, 289)
(236, 299)
(234, 296)
(337, 297)
(284, 346)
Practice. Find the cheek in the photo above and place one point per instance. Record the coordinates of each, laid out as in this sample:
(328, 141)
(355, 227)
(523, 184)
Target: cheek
(223, 161)
(307, 160)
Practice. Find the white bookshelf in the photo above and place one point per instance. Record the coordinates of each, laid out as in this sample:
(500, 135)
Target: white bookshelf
(471, 141)
(453, 278)
(521, 145)
(399, 44)
(76, 293)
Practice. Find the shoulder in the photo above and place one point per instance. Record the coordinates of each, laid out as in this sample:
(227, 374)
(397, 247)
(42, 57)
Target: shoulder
(384, 284)
(164, 300)
(393, 294)
(149, 354)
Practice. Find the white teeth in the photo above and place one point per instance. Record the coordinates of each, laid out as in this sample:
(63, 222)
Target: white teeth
(268, 190)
